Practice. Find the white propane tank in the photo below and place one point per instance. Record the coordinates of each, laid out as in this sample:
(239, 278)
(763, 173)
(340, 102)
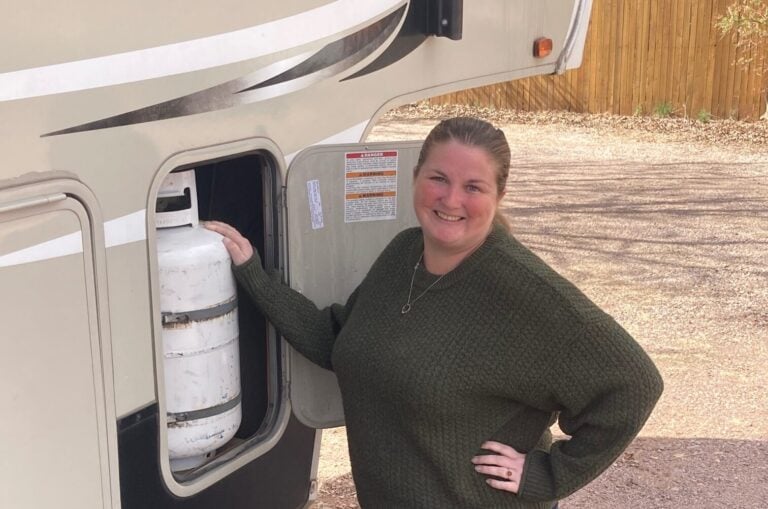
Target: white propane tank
(198, 302)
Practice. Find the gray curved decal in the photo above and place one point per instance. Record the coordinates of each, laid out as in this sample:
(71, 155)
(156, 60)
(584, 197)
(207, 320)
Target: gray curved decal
(331, 60)
(412, 34)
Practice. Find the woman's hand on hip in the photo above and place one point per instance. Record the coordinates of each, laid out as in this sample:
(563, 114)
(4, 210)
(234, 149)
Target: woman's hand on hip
(505, 466)
(239, 248)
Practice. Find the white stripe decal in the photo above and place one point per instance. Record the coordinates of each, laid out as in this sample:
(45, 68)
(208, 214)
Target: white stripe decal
(61, 246)
(126, 229)
(194, 55)
(119, 231)
(132, 227)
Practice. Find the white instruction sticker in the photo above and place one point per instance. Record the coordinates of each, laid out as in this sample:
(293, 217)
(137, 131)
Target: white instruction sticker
(370, 186)
(315, 204)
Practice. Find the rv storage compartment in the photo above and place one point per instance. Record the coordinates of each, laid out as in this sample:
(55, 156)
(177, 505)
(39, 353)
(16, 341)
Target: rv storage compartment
(221, 359)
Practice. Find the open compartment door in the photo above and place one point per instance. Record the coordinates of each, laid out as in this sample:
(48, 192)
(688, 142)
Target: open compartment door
(344, 204)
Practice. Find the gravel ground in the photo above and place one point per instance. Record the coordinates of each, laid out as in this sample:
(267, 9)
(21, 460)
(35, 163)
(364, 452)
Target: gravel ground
(664, 224)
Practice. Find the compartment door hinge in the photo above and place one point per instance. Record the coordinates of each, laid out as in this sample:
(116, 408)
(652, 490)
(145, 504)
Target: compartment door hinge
(32, 202)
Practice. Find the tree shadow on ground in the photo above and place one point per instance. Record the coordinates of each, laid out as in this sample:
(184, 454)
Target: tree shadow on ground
(640, 215)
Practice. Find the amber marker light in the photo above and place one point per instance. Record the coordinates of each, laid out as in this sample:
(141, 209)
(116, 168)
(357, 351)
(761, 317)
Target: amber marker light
(542, 47)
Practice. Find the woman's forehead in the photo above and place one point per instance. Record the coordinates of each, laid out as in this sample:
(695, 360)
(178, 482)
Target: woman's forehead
(454, 156)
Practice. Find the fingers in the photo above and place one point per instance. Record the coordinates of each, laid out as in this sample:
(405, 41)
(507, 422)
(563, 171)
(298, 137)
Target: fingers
(494, 463)
(502, 449)
(493, 459)
(506, 467)
(504, 478)
(238, 247)
(238, 255)
(510, 486)
(507, 473)
(223, 229)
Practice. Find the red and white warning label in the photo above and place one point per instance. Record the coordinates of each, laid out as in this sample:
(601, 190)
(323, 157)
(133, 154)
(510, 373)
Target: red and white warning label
(370, 186)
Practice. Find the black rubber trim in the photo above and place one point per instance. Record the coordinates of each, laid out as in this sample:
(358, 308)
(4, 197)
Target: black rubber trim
(280, 479)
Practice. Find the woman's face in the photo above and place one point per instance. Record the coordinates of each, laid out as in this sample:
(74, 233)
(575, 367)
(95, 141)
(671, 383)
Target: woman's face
(455, 197)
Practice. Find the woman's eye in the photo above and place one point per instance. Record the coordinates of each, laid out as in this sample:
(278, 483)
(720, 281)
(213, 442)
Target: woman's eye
(473, 189)
(437, 178)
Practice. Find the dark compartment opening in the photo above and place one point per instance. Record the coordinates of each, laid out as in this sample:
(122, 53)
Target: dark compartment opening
(233, 191)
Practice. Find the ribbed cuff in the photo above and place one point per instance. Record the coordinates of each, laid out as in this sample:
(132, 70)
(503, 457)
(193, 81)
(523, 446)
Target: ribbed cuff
(250, 269)
(537, 482)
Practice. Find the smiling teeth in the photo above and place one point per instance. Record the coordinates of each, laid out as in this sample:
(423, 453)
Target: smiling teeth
(447, 217)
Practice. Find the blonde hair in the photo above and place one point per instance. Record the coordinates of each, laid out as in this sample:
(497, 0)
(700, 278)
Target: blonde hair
(478, 133)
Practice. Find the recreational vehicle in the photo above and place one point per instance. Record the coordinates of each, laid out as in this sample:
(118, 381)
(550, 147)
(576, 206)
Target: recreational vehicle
(132, 375)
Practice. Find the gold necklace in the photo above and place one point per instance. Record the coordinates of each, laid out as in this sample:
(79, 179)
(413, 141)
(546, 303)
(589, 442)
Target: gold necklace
(409, 304)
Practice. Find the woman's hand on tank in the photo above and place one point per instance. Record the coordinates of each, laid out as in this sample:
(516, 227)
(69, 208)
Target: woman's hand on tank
(239, 248)
(506, 466)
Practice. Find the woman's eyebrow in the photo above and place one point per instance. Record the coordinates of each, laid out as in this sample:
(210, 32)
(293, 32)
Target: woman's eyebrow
(473, 181)
(436, 171)
(476, 181)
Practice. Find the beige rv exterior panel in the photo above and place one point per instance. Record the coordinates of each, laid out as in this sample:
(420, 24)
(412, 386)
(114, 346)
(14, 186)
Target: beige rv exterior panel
(55, 341)
(54, 32)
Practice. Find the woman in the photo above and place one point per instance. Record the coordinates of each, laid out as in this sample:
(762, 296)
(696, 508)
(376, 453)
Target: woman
(460, 348)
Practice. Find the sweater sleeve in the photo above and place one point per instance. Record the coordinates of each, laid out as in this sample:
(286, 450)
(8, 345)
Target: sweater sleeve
(309, 330)
(606, 387)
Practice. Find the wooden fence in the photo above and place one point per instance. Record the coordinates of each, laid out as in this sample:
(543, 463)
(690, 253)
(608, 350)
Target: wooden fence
(643, 56)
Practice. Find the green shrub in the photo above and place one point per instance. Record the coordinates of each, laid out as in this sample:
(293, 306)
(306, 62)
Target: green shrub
(704, 116)
(663, 110)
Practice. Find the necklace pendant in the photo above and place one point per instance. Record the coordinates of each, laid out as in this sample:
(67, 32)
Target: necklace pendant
(405, 309)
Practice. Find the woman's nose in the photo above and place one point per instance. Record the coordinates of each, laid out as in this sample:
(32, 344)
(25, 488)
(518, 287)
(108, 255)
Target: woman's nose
(452, 196)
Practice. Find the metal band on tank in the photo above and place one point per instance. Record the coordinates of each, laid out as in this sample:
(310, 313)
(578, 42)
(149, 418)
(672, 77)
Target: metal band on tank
(205, 412)
(199, 315)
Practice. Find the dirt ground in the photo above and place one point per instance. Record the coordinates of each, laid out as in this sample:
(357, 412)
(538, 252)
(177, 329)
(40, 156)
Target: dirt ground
(667, 230)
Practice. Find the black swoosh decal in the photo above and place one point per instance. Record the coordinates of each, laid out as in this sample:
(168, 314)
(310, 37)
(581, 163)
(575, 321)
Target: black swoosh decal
(412, 34)
(328, 61)
(350, 50)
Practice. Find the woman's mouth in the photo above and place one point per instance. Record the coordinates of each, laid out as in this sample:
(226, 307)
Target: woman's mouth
(447, 217)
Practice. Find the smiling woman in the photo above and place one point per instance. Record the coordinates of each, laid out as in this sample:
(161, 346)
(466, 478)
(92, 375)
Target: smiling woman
(458, 184)
(448, 401)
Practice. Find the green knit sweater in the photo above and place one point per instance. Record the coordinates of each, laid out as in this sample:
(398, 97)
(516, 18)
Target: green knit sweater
(496, 350)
